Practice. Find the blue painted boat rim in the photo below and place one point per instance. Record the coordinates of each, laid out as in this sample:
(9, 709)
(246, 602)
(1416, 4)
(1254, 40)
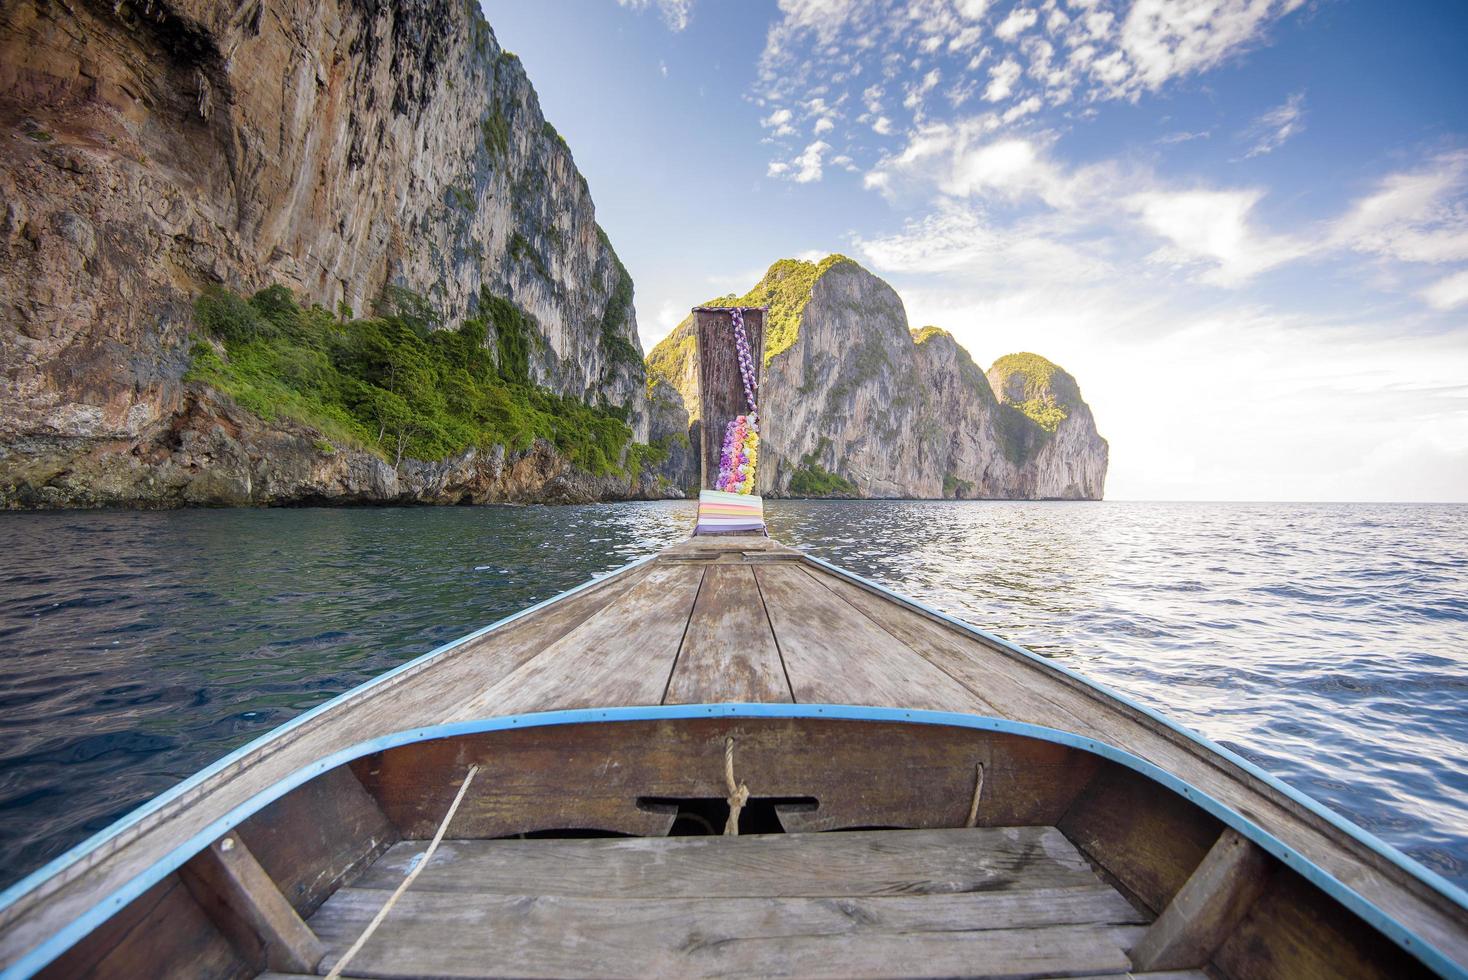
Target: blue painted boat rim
(1410, 865)
(84, 924)
(65, 860)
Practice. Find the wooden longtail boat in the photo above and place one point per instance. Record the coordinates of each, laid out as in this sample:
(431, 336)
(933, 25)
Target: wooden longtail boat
(732, 758)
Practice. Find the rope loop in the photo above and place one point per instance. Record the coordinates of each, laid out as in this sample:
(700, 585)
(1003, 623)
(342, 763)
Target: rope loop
(738, 792)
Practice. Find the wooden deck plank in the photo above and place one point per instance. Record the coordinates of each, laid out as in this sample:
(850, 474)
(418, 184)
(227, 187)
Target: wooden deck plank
(1009, 695)
(729, 652)
(790, 865)
(621, 655)
(836, 655)
(458, 935)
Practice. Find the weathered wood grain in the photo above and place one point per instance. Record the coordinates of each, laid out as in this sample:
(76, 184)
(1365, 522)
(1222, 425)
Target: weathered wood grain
(163, 934)
(835, 654)
(1145, 835)
(729, 651)
(621, 655)
(318, 837)
(460, 935)
(1294, 931)
(591, 776)
(909, 862)
(244, 903)
(1207, 908)
(720, 385)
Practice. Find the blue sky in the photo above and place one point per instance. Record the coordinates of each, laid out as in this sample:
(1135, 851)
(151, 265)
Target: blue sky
(1242, 224)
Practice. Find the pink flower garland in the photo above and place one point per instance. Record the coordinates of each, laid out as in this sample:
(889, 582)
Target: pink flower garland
(741, 437)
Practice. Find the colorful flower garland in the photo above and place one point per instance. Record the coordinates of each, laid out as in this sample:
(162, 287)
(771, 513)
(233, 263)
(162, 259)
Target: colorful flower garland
(741, 436)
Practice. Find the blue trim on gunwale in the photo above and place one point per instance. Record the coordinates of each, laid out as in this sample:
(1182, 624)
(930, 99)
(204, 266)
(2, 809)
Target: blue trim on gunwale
(85, 923)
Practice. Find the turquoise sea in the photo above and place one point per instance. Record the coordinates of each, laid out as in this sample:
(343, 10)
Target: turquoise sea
(1326, 642)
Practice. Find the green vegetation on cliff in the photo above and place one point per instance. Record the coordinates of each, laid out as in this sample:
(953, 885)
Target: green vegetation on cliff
(1036, 387)
(785, 289)
(668, 360)
(619, 350)
(811, 479)
(1035, 396)
(396, 386)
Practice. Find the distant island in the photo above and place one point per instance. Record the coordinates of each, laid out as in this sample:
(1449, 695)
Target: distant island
(384, 282)
(857, 404)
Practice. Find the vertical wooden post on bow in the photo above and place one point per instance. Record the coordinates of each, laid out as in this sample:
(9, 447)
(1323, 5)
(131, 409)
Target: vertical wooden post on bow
(721, 390)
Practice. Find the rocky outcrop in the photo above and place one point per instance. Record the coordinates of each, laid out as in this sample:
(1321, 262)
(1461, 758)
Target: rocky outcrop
(213, 453)
(341, 148)
(857, 404)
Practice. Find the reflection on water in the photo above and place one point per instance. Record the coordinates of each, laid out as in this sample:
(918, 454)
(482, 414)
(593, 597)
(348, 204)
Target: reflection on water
(1325, 642)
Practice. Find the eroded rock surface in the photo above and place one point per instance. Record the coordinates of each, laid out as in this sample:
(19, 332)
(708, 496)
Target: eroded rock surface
(154, 148)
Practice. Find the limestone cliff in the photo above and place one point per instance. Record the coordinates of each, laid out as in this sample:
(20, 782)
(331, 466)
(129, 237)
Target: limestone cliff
(857, 404)
(340, 148)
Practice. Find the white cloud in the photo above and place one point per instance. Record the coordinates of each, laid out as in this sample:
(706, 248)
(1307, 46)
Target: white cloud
(1020, 19)
(823, 125)
(916, 92)
(1166, 39)
(805, 168)
(1420, 216)
(1066, 51)
(1449, 293)
(1210, 235)
(779, 122)
(676, 13)
(1183, 136)
(1270, 130)
(958, 239)
(1023, 108)
(1212, 227)
(1001, 80)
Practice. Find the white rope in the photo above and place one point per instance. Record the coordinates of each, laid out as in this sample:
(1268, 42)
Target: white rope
(341, 964)
(973, 808)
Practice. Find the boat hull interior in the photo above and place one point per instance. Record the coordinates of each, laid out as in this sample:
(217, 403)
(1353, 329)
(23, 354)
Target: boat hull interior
(865, 848)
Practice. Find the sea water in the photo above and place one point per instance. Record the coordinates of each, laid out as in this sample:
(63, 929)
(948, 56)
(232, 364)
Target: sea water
(1325, 642)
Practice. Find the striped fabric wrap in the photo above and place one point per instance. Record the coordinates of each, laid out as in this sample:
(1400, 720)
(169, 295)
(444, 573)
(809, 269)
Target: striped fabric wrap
(728, 513)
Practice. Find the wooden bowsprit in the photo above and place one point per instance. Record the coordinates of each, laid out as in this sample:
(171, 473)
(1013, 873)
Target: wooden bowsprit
(725, 396)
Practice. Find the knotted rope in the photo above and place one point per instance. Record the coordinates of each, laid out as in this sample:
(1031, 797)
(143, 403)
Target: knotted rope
(341, 964)
(738, 792)
(973, 808)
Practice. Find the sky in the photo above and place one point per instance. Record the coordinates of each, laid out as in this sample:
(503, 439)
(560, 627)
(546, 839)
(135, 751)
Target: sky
(1241, 224)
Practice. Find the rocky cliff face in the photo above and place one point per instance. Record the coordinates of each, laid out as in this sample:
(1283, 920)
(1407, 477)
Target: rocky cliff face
(340, 148)
(857, 404)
